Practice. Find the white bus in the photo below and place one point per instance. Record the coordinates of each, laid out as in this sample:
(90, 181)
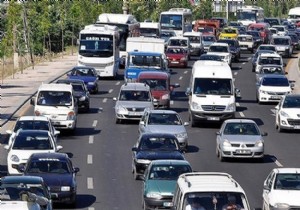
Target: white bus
(99, 48)
(128, 27)
(294, 14)
(250, 14)
(150, 29)
(177, 19)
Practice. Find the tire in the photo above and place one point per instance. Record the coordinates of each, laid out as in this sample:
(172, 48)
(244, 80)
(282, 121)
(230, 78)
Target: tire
(144, 206)
(220, 156)
(118, 121)
(193, 123)
(278, 128)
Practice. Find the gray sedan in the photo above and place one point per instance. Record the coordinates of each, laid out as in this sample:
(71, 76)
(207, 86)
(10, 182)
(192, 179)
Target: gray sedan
(165, 121)
(240, 138)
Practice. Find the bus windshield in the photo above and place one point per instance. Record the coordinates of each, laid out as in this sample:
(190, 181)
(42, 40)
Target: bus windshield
(96, 45)
(171, 22)
(246, 16)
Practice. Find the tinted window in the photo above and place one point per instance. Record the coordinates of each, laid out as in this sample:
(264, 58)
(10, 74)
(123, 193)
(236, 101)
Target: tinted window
(241, 129)
(275, 82)
(32, 142)
(32, 125)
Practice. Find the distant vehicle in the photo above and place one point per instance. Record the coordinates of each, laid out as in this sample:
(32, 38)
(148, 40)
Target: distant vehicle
(127, 25)
(246, 43)
(24, 193)
(58, 172)
(166, 34)
(281, 30)
(272, 87)
(270, 47)
(280, 186)
(295, 41)
(229, 33)
(263, 29)
(177, 19)
(234, 47)
(177, 57)
(208, 57)
(221, 49)
(274, 31)
(86, 74)
(240, 138)
(250, 14)
(182, 42)
(283, 45)
(287, 113)
(207, 41)
(99, 48)
(160, 179)
(153, 146)
(196, 41)
(223, 21)
(257, 54)
(234, 23)
(272, 21)
(294, 14)
(268, 59)
(165, 121)
(269, 69)
(256, 36)
(150, 29)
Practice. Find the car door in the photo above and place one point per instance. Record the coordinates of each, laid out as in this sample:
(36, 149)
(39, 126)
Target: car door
(267, 188)
(143, 122)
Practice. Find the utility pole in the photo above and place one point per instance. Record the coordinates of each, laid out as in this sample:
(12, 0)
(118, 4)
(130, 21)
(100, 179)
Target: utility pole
(125, 7)
(27, 35)
(14, 50)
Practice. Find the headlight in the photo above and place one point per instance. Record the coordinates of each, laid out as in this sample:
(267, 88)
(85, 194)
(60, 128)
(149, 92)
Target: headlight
(231, 107)
(82, 98)
(154, 195)
(71, 115)
(65, 188)
(284, 114)
(14, 158)
(280, 206)
(165, 97)
(196, 106)
(121, 109)
(259, 143)
(181, 135)
(91, 83)
(226, 143)
(262, 91)
(143, 161)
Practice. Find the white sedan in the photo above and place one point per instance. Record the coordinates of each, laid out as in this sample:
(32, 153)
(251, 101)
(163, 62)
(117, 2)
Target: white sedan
(288, 113)
(25, 143)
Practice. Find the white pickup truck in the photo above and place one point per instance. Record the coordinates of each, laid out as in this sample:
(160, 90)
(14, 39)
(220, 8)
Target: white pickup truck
(246, 42)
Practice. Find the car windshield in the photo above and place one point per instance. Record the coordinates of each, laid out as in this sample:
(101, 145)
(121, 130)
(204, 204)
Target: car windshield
(78, 87)
(31, 125)
(158, 143)
(279, 28)
(32, 142)
(210, 57)
(278, 82)
(54, 98)
(168, 172)
(211, 86)
(178, 42)
(155, 84)
(176, 51)
(253, 33)
(12, 191)
(215, 200)
(164, 119)
(215, 48)
(145, 60)
(291, 102)
(245, 39)
(271, 48)
(269, 60)
(133, 95)
(83, 72)
(194, 39)
(48, 165)
(229, 31)
(287, 181)
(241, 129)
(281, 41)
(209, 38)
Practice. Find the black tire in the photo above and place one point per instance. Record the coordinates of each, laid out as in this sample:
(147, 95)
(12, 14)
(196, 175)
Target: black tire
(193, 122)
(220, 156)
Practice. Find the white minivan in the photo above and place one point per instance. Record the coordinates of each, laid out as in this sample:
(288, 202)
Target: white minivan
(196, 41)
(211, 92)
(57, 102)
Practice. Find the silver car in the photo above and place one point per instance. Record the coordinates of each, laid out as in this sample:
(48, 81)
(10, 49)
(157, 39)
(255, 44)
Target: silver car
(165, 121)
(133, 100)
(240, 138)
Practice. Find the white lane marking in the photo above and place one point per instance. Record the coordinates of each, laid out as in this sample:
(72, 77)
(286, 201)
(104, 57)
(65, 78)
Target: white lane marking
(249, 58)
(273, 112)
(91, 139)
(242, 114)
(90, 183)
(180, 78)
(110, 90)
(233, 79)
(117, 83)
(95, 123)
(185, 72)
(91, 208)
(237, 104)
(100, 108)
(171, 102)
(277, 162)
(244, 63)
(104, 100)
(235, 73)
(90, 159)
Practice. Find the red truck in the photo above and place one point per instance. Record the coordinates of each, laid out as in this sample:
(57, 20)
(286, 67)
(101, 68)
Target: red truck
(207, 26)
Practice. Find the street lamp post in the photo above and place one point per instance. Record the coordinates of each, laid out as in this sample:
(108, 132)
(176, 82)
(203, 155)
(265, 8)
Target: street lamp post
(125, 7)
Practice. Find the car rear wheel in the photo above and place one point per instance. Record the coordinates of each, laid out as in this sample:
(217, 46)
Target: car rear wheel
(278, 127)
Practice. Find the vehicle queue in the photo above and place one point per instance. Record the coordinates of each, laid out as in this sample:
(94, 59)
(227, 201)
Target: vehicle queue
(246, 132)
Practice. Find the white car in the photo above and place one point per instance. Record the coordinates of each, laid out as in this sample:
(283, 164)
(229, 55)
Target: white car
(246, 42)
(268, 59)
(267, 47)
(221, 49)
(281, 30)
(287, 113)
(24, 144)
(281, 189)
(272, 87)
(33, 123)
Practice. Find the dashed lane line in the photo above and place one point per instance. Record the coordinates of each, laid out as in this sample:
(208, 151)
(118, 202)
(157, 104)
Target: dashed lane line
(180, 78)
(117, 83)
(90, 183)
(237, 104)
(104, 100)
(185, 72)
(242, 114)
(171, 102)
(91, 208)
(110, 90)
(91, 139)
(95, 123)
(100, 109)
(235, 73)
(244, 63)
(277, 162)
(89, 159)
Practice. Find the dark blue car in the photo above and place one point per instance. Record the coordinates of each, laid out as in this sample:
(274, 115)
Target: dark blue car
(88, 75)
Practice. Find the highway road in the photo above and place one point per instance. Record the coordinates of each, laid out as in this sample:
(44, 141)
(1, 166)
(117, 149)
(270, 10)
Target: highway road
(102, 149)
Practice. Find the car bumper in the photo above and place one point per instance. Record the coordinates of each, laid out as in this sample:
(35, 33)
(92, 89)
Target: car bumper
(212, 116)
(157, 203)
(269, 98)
(283, 53)
(289, 123)
(66, 124)
(177, 63)
(254, 152)
(62, 197)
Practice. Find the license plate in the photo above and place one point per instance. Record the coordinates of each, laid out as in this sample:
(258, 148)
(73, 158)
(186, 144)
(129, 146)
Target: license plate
(134, 113)
(213, 118)
(174, 62)
(275, 97)
(297, 127)
(243, 151)
(56, 123)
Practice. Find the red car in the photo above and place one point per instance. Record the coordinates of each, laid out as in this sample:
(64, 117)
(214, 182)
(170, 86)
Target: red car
(177, 57)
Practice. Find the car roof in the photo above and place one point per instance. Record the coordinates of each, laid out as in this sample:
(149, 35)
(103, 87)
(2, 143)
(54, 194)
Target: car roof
(270, 55)
(281, 37)
(56, 87)
(33, 118)
(287, 170)
(275, 76)
(83, 67)
(239, 121)
(244, 35)
(154, 74)
(179, 37)
(159, 135)
(144, 53)
(23, 179)
(170, 162)
(70, 81)
(220, 44)
(47, 155)
(135, 86)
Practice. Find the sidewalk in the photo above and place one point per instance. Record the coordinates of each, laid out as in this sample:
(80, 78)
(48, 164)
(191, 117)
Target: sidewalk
(16, 92)
(294, 73)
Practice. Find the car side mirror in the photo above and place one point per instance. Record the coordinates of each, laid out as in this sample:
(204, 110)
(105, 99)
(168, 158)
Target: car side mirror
(76, 170)
(277, 107)
(114, 98)
(237, 93)
(32, 100)
(134, 149)
(21, 168)
(266, 187)
(59, 147)
(9, 132)
(56, 133)
(6, 147)
(218, 133)
(176, 85)
(188, 92)
(284, 65)
(155, 102)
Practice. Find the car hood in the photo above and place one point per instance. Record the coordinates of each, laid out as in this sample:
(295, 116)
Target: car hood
(280, 89)
(160, 155)
(292, 112)
(207, 43)
(242, 138)
(164, 187)
(172, 129)
(55, 179)
(18, 205)
(86, 79)
(290, 197)
(136, 104)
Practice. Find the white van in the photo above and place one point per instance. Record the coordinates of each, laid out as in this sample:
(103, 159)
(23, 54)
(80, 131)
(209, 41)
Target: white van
(211, 92)
(196, 42)
(57, 102)
(213, 190)
(150, 29)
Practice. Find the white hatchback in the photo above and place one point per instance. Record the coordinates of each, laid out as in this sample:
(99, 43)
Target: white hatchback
(25, 143)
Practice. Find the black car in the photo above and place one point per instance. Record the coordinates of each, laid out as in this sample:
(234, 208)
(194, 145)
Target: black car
(234, 48)
(256, 37)
(58, 172)
(272, 21)
(255, 56)
(154, 146)
(295, 40)
(80, 92)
